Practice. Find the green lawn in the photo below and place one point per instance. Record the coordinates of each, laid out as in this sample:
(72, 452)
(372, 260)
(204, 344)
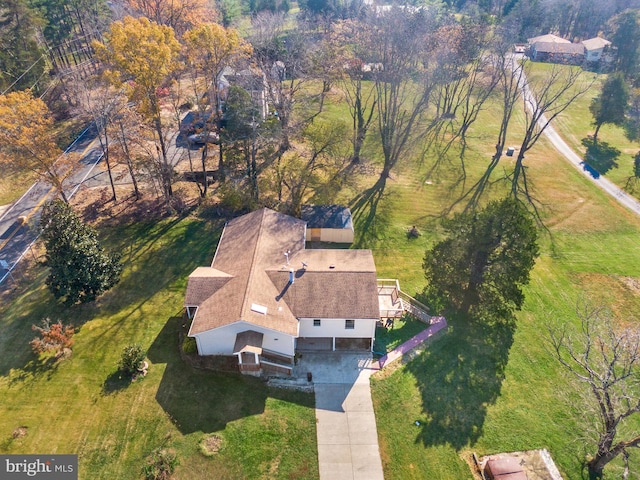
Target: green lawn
(80, 405)
(485, 389)
(405, 328)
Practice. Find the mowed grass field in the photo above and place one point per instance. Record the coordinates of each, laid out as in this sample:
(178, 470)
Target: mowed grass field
(80, 405)
(486, 389)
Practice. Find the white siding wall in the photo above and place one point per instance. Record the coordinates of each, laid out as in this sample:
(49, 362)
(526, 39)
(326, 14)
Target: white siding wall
(334, 327)
(220, 341)
(338, 235)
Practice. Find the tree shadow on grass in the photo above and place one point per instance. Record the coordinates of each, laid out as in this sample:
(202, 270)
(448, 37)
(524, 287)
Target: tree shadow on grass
(459, 378)
(600, 155)
(371, 223)
(115, 382)
(38, 366)
(157, 256)
(204, 400)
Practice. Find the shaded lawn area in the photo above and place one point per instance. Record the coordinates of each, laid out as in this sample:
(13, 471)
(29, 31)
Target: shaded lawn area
(403, 329)
(81, 405)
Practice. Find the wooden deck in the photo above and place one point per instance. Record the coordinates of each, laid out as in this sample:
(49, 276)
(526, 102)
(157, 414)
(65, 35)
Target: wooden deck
(394, 302)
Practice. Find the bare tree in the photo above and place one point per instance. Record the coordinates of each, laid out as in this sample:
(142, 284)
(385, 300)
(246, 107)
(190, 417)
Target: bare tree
(359, 93)
(126, 128)
(403, 83)
(309, 168)
(97, 98)
(284, 65)
(545, 97)
(465, 78)
(606, 359)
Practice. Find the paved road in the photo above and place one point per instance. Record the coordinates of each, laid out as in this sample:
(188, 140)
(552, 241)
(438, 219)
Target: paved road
(565, 150)
(18, 223)
(605, 184)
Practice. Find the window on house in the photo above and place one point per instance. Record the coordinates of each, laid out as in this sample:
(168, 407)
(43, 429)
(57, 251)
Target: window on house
(349, 324)
(316, 322)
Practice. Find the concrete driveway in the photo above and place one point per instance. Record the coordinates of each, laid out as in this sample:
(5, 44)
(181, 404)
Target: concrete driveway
(346, 424)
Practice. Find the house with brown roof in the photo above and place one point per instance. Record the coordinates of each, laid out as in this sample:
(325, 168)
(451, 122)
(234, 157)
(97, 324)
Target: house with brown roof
(557, 52)
(265, 296)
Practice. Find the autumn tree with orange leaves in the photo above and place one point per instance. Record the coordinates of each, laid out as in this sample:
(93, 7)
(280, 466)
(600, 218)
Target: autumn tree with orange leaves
(27, 140)
(180, 15)
(141, 55)
(53, 337)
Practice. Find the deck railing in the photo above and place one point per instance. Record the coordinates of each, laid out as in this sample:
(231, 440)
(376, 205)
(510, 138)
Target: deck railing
(408, 303)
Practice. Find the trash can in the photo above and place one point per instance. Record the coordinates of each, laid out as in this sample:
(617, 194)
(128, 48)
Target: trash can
(510, 151)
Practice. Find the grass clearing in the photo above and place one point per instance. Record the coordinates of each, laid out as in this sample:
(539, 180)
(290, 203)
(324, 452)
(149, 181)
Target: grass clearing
(615, 153)
(402, 330)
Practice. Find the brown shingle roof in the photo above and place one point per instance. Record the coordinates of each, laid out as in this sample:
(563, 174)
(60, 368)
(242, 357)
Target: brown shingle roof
(565, 48)
(248, 341)
(248, 245)
(334, 284)
(203, 282)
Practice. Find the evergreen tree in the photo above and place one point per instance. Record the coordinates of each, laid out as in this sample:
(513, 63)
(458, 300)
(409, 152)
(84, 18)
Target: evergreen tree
(611, 105)
(625, 39)
(80, 270)
(485, 261)
(21, 59)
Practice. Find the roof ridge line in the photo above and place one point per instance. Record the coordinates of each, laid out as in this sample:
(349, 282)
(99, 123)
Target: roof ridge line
(245, 295)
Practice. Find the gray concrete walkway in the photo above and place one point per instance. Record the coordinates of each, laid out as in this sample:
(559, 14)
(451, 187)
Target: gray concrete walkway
(346, 424)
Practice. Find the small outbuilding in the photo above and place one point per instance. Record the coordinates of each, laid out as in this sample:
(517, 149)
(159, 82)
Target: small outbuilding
(524, 465)
(328, 223)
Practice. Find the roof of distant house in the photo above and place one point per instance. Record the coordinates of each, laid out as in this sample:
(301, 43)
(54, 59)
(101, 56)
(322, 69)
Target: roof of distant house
(595, 43)
(549, 37)
(248, 79)
(565, 48)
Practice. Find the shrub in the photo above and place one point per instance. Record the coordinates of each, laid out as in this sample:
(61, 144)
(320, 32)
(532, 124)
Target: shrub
(132, 357)
(189, 345)
(54, 337)
(160, 464)
(234, 199)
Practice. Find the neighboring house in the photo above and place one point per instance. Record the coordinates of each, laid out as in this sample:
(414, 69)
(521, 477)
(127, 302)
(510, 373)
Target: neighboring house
(265, 296)
(253, 82)
(548, 38)
(328, 223)
(596, 49)
(557, 52)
